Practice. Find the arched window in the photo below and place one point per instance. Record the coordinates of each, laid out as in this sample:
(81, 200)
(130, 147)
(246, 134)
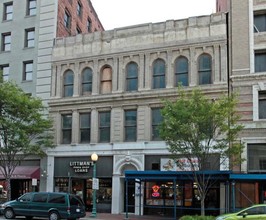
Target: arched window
(68, 83)
(106, 80)
(132, 77)
(181, 71)
(158, 74)
(86, 83)
(205, 69)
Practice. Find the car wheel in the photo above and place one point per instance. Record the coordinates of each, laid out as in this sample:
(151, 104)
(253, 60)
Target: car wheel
(9, 213)
(54, 216)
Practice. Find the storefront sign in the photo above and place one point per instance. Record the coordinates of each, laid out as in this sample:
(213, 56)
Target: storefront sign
(155, 190)
(80, 166)
(180, 164)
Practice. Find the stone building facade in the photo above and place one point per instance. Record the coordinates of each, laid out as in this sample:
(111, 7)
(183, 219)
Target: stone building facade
(107, 89)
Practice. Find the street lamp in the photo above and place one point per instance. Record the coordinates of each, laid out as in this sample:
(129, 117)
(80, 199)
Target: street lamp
(94, 158)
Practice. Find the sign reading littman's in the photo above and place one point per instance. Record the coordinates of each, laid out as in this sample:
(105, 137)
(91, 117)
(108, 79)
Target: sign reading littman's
(80, 166)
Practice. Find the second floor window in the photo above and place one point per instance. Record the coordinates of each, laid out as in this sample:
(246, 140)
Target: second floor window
(89, 25)
(156, 121)
(29, 37)
(31, 7)
(159, 74)
(28, 70)
(86, 81)
(85, 127)
(8, 11)
(68, 83)
(6, 42)
(181, 71)
(132, 77)
(260, 61)
(79, 9)
(104, 126)
(66, 129)
(130, 125)
(204, 69)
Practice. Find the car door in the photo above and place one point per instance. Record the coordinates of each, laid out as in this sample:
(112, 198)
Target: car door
(257, 213)
(38, 206)
(21, 206)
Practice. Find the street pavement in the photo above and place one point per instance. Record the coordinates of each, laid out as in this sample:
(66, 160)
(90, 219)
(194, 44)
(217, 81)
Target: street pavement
(107, 216)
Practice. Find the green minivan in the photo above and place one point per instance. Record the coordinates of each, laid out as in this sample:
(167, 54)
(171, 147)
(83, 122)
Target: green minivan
(53, 205)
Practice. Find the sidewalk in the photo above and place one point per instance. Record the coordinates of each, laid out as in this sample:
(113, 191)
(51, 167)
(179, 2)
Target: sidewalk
(108, 216)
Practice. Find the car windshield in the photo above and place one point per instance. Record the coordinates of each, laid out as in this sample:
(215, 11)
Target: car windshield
(25, 198)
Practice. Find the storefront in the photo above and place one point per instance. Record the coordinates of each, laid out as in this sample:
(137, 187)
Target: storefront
(24, 179)
(74, 175)
(171, 193)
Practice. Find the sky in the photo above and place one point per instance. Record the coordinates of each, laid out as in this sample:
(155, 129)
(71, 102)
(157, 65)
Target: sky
(122, 13)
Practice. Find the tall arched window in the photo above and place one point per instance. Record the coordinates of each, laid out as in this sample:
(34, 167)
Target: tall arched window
(158, 74)
(106, 80)
(205, 69)
(68, 83)
(86, 83)
(181, 71)
(132, 77)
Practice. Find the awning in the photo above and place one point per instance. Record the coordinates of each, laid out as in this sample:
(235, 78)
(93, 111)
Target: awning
(24, 172)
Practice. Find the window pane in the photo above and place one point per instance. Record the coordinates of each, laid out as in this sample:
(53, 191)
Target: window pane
(181, 71)
(30, 35)
(156, 120)
(104, 126)
(66, 129)
(159, 74)
(87, 81)
(260, 62)
(28, 71)
(204, 69)
(132, 77)
(31, 7)
(8, 13)
(130, 125)
(68, 83)
(260, 23)
(85, 122)
(262, 105)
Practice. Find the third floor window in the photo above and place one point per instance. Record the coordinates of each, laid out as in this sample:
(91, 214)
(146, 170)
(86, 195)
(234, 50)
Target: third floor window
(31, 7)
(29, 37)
(6, 42)
(67, 20)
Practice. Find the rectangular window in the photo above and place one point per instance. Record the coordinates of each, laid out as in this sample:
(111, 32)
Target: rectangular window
(27, 70)
(31, 7)
(259, 23)
(85, 127)
(262, 104)
(79, 9)
(66, 129)
(5, 72)
(6, 41)
(78, 30)
(156, 121)
(29, 37)
(130, 125)
(260, 61)
(104, 126)
(256, 157)
(67, 20)
(8, 11)
(89, 25)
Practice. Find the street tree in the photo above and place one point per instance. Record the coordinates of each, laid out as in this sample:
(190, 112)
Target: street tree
(24, 129)
(200, 131)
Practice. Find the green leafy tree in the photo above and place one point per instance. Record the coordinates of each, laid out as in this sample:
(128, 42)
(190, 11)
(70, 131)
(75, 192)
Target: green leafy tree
(202, 131)
(24, 129)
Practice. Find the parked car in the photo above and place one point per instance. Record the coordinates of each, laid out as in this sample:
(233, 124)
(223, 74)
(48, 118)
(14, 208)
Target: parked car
(254, 212)
(52, 205)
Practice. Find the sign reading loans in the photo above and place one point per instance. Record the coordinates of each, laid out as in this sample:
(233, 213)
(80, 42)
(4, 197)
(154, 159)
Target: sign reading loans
(180, 164)
(80, 166)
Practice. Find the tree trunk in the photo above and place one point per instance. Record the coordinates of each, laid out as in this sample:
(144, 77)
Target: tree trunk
(8, 188)
(202, 206)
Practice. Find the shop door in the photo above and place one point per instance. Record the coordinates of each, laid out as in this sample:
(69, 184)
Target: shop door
(131, 196)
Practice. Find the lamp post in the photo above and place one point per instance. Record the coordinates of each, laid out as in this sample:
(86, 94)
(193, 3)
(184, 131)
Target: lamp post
(94, 158)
